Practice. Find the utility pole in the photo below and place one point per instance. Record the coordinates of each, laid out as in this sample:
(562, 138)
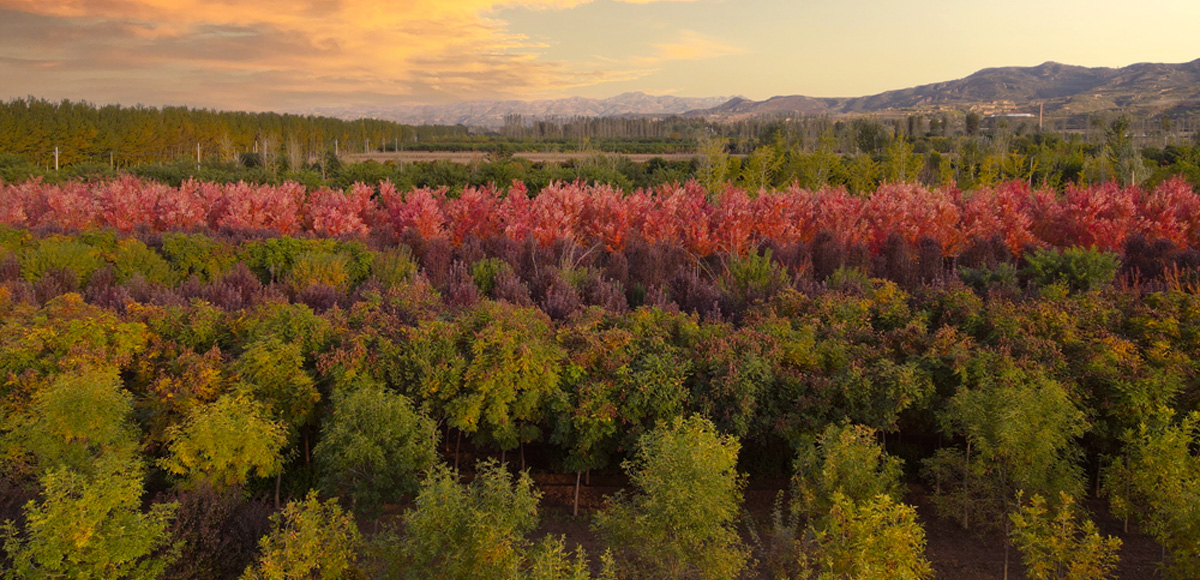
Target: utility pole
(56, 158)
(197, 156)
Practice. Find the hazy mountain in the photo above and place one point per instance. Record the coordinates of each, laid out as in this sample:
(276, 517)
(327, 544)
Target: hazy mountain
(1060, 88)
(493, 113)
(1146, 87)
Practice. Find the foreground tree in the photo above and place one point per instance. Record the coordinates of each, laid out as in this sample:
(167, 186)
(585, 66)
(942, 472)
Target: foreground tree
(846, 460)
(374, 447)
(311, 539)
(1158, 480)
(873, 539)
(225, 443)
(90, 526)
(680, 522)
(464, 531)
(75, 420)
(489, 374)
(1021, 430)
(1055, 545)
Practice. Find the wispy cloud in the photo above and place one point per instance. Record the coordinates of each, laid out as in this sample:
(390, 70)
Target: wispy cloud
(688, 45)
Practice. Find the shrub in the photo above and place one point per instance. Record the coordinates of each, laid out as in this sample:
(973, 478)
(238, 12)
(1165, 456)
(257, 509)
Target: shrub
(60, 253)
(320, 268)
(132, 257)
(1081, 269)
(196, 254)
(394, 266)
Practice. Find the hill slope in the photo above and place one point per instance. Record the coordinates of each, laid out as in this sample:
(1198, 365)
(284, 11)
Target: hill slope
(1144, 87)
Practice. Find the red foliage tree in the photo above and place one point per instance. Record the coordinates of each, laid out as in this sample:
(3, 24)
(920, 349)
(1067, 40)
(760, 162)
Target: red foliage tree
(914, 213)
(419, 211)
(1004, 209)
(334, 213)
(1171, 211)
(474, 213)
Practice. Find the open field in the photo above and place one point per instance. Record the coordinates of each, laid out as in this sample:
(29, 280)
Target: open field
(468, 157)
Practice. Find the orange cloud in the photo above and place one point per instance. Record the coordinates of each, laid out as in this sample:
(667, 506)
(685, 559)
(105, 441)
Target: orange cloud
(279, 51)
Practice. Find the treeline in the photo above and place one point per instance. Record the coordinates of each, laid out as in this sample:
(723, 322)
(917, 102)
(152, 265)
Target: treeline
(1041, 162)
(957, 149)
(122, 137)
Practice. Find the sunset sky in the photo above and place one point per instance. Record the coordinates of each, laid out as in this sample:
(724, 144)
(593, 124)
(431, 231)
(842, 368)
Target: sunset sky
(295, 54)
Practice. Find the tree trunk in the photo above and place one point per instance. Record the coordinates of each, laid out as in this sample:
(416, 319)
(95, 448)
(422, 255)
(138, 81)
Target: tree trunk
(967, 490)
(1006, 559)
(575, 508)
(522, 446)
(278, 479)
(456, 445)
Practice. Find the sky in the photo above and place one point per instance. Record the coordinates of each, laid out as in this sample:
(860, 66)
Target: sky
(296, 54)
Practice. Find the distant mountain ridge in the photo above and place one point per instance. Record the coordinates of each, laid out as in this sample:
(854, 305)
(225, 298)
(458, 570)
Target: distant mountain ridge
(1059, 88)
(1153, 87)
(493, 113)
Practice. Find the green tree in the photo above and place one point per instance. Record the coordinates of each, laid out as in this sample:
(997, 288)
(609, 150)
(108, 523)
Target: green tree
(490, 373)
(846, 460)
(1056, 546)
(271, 371)
(476, 530)
(1158, 480)
(873, 539)
(90, 526)
(1021, 430)
(901, 164)
(1081, 269)
(374, 447)
(714, 164)
(585, 410)
(863, 174)
(310, 539)
(761, 168)
(76, 420)
(680, 523)
(226, 442)
(819, 167)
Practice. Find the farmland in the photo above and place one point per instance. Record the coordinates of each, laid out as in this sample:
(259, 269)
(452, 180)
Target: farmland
(993, 356)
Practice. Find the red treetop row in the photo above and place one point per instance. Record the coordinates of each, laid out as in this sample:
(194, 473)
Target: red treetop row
(730, 222)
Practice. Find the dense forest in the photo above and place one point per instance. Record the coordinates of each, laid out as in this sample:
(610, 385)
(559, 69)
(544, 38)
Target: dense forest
(220, 380)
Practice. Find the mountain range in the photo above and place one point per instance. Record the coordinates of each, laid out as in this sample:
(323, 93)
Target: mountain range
(492, 114)
(1059, 89)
